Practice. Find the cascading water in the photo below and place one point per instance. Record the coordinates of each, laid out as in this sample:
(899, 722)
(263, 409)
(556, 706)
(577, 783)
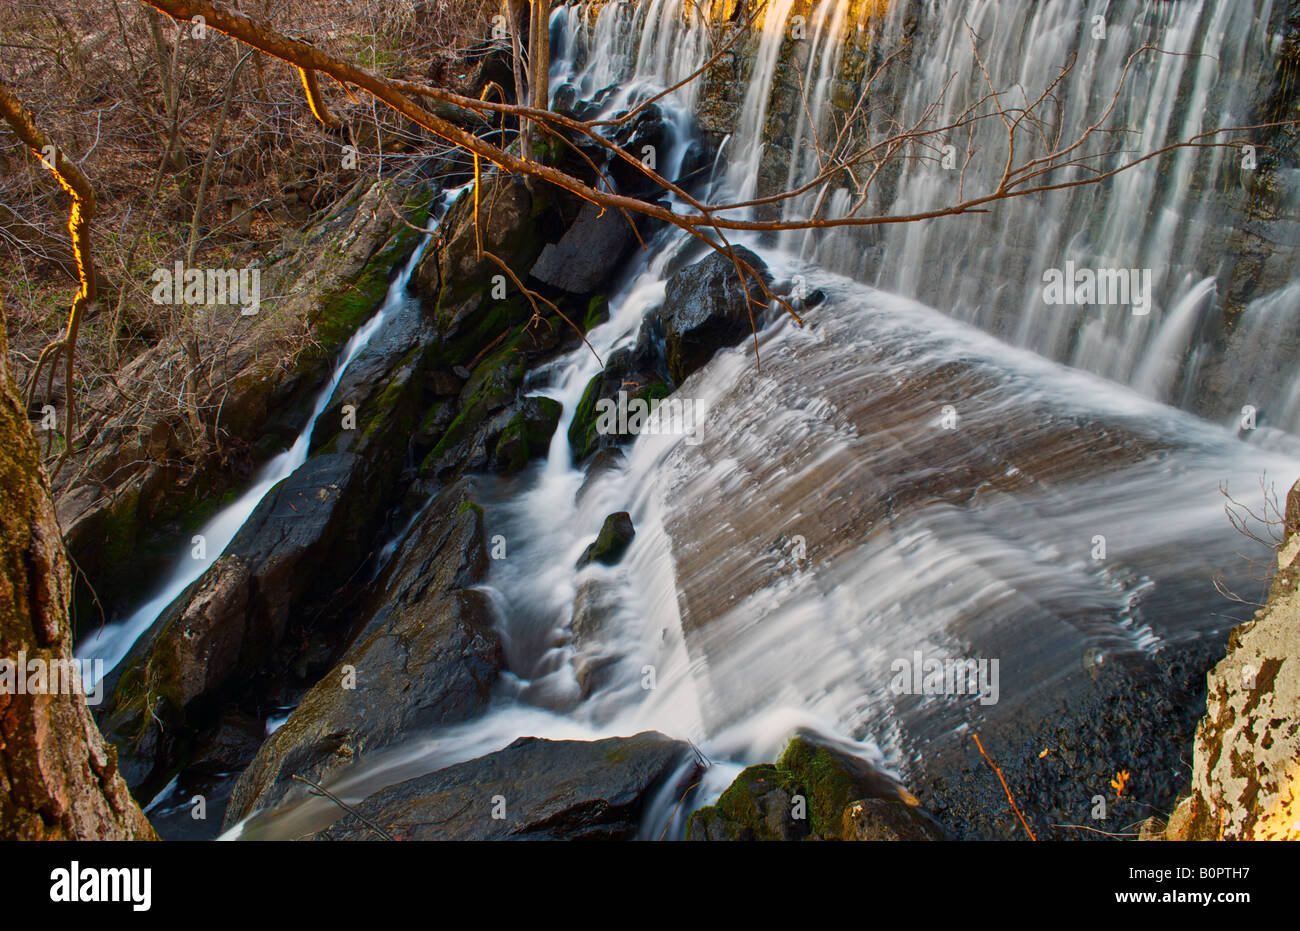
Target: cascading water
(892, 479)
(114, 641)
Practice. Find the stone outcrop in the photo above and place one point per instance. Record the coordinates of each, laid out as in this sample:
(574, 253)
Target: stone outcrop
(128, 499)
(532, 790)
(707, 307)
(426, 656)
(612, 542)
(1246, 757)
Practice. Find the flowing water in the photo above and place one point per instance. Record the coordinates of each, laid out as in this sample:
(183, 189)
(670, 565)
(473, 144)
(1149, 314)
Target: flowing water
(980, 475)
(113, 642)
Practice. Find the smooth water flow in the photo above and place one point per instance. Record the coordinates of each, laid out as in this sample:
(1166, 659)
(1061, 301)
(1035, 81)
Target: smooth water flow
(894, 478)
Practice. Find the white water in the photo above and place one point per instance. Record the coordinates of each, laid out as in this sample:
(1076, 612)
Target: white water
(771, 646)
(113, 642)
(807, 648)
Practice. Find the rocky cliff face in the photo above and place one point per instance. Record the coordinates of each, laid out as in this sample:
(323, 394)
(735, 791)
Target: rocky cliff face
(1246, 760)
(142, 482)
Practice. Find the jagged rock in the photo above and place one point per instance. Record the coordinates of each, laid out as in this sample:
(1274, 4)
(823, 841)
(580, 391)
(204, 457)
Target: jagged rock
(646, 134)
(612, 542)
(427, 656)
(553, 790)
(705, 309)
(456, 285)
(143, 490)
(527, 433)
(589, 253)
(1245, 776)
(227, 625)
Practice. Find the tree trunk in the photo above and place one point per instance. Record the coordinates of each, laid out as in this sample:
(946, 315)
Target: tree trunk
(58, 776)
(540, 60)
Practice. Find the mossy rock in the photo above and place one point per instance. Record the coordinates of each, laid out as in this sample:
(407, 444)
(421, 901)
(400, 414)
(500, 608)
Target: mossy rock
(342, 310)
(597, 313)
(615, 536)
(584, 437)
(758, 805)
(842, 799)
(527, 434)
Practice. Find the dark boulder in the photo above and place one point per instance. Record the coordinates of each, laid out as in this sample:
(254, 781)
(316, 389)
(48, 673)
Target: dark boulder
(638, 373)
(705, 309)
(546, 789)
(228, 625)
(527, 434)
(647, 137)
(426, 656)
(612, 542)
(589, 253)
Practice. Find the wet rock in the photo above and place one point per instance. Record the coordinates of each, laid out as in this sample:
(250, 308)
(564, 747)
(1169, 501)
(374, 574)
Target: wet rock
(878, 819)
(456, 285)
(813, 792)
(758, 805)
(565, 101)
(593, 605)
(226, 627)
(705, 309)
(636, 373)
(647, 135)
(612, 542)
(553, 790)
(426, 656)
(230, 746)
(589, 253)
(527, 434)
(137, 490)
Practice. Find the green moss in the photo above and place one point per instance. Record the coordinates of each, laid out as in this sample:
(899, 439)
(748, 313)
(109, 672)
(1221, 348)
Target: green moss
(618, 754)
(615, 536)
(828, 784)
(583, 437)
(491, 386)
(736, 808)
(528, 434)
(394, 405)
(467, 506)
(582, 429)
(597, 313)
(343, 310)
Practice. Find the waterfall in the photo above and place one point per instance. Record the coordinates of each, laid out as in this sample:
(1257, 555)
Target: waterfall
(113, 642)
(939, 461)
(1166, 216)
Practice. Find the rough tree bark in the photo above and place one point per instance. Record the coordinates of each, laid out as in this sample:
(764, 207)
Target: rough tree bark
(58, 776)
